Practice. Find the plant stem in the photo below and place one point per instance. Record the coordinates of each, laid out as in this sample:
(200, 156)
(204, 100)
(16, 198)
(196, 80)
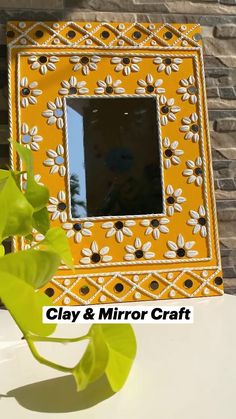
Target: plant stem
(58, 340)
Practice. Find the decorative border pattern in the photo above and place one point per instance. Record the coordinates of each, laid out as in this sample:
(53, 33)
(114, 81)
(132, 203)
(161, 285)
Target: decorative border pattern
(46, 46)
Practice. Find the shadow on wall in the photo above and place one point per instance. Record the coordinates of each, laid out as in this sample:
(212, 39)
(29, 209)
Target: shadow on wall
(59, 395)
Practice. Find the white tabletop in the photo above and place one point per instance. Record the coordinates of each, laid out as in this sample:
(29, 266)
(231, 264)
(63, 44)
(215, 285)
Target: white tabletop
(181, 371)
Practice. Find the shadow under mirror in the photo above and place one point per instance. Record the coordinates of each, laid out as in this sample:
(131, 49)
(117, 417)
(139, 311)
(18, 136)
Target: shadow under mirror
(114, 158)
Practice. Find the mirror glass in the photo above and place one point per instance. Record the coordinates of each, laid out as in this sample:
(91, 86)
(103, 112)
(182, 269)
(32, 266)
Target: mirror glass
(114, 160)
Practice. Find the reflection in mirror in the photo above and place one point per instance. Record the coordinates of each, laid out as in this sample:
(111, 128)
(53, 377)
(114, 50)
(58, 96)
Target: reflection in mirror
(114, 159)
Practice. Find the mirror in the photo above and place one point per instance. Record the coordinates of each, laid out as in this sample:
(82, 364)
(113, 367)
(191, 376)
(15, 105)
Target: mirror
(114, 159)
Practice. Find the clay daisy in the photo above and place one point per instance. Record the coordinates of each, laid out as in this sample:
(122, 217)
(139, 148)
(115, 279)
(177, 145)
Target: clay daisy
(167, 64)
(108, 86)
(94, 255)
(191, 128)
(168, 110)
(198, 221)
(85, 64)
(119, 229)
(73, 87)
(55, 113)
(138, 251)
(42, 63)
(56, 160)
(150, 86)
(194, 171)
(58, 207)
(171, 153)
(174, 200)
(29, 92)
(155, 227)
(126, 64)
(180, 249)
(188, 90)
(78, 230)
(30, 137)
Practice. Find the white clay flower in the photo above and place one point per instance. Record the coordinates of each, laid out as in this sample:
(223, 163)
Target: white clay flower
(150, 86)
(126, 64)
(188, 90)
(55, 113)
(174, 200)
(85, 63)
(180, 249)
(191, 128)
(78, 230)
(138, 251)
(29, 92)
(42, 63)
(56, 160)
(108, 86)
(168, 64)
(30, 137)
(194, 171)
(171, 154)
(198, 221)
(73, 87)
(119, 229)
(168, 110)
(155, 227)
(58, 207)
(94, 255)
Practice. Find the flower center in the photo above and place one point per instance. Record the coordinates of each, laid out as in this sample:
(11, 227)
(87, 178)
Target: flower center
(26, 138)
(180, 252)
(119, 287)
(150, 88)
(165, 109)
(167, 61)
(77, 227)
(95, 257)
(61, 206)
(126, 60)
(72, 91)
(202, 221)
(109, 89)
(198, 171)
(168, 152)
(42, 59)
(58, 113)
(194, 128)
(170, 200)
(84, 289)
(192, 90)
(84, 60)
(119, 225)
(25, 91)
(59, 160)
(155, 223)
(139, 254)
(154, 285)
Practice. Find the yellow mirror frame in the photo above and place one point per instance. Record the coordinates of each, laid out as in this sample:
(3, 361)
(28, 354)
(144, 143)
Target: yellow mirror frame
(174, 254)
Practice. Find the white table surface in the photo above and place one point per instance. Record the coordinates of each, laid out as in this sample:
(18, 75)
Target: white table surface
(181, 371)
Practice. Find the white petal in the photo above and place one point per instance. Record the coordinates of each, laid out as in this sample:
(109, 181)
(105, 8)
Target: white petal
(119, 236)
(129, 257)
(192, 253)
(85, 260)
(172, 245)
(146, 246)
(137, 243)
(104, 250)
(170, 255)
(106, 258)
(180, 240)
(111, 232)
(108, 224)
(149, 255)
(94, 247)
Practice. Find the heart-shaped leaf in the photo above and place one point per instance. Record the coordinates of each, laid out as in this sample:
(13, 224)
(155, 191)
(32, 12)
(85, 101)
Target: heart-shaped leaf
(56, 240)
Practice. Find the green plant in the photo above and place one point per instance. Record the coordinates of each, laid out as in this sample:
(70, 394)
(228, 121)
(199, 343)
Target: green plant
(111, 348)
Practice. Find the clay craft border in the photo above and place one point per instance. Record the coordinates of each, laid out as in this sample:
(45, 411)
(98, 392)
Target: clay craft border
(150, 67)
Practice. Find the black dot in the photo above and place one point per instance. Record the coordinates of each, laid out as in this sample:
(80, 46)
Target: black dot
(168, 35)
(195, 128)
(170, 200)
(192, 90)
(202, 221)
(168, 152)
(167, 61)
(95, 257)
(84, 60)
(49, 292)
(180, 252)
(154, 285)
(197, 37)
(109, 89)
(39, 34)
(84, 289)
(10, 34)
(165, 109)
(43, 59)
(150, 88)
(198, 171)
(77, 227)
(71, 34)
(119, 225)
(155, 223)
(105, 34)
(139, 254)
(188, 283)
(126, 60)
(137, 35)
(119, 287)
(25, 91)
(61, 206)
(218, 280)
(72, 91)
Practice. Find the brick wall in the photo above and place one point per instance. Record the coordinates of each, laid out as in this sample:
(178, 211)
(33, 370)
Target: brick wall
(218, 20)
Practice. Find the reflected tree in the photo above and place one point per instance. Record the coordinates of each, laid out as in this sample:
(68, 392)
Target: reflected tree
(76, 202)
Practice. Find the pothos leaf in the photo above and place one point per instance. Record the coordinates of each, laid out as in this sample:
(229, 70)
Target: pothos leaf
(36, 267)
(55, 239)
(41, 220)
(111, 351)
(25, 305)
(36, 194)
